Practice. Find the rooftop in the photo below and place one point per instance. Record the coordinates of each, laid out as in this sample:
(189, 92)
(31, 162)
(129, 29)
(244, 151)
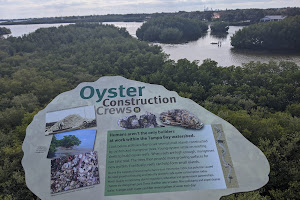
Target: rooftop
(275, 17)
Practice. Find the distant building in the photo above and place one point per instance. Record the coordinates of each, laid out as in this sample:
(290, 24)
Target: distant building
(271, 18)
(216, 16)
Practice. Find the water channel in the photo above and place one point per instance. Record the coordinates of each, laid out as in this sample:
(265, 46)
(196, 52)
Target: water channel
(198, 50)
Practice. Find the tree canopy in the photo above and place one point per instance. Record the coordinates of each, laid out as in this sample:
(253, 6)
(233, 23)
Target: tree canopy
(279, 35)
(4, 31)
(69, 141)
(260, 99)
(168, 29)
(219, 27)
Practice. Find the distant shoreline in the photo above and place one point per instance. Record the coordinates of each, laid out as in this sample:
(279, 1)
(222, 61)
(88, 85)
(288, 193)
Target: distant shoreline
(244, 16)
(79, 19)
(2, 24)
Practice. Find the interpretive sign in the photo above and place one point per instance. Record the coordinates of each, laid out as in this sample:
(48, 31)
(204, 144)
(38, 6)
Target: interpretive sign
(133, 140)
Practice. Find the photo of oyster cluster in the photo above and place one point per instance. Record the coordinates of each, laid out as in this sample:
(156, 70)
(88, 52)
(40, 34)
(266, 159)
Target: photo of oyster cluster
(147, 120)
(71, 172)
(74, 162)
(179, 117)
(175, 117)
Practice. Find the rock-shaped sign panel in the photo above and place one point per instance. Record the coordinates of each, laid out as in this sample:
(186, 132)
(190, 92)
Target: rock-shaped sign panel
(121, 139)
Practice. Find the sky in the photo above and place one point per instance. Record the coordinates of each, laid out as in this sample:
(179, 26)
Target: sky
(17, 9)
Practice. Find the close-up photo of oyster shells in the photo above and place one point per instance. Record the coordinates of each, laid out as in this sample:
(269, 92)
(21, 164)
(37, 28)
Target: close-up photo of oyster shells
(180, 117)
(147, 120)
(71, 172)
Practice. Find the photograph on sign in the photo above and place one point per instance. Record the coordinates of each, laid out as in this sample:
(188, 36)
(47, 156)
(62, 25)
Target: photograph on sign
(175, 117)
(72, 172)
(147, 120)
(70, 119)
(72, 143)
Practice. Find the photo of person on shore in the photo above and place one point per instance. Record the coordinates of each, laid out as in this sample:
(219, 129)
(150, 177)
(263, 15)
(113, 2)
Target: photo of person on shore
(71, 119)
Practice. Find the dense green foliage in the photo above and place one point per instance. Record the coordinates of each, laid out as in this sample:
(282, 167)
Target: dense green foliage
(278, 35)
(52, 148)
(260, 99)
(67, 142)
(171, 30)
(253, 15)
(4, 31)
(219, 27)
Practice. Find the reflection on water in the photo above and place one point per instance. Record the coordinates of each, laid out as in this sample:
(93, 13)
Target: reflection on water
(219, 36)
(200, 50)
(224, 53)
(214, 47)
(265, 56)
(131, 27)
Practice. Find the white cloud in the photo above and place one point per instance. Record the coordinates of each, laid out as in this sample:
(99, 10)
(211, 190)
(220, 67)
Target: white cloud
(46, 8)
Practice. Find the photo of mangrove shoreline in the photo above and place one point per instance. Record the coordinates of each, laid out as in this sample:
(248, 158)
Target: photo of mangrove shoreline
(72, 143)
(71, 119)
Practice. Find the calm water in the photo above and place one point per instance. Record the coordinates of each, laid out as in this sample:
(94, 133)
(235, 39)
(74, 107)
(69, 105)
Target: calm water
(199, 50)
(224, 54)
(19, 30)
(131, 27)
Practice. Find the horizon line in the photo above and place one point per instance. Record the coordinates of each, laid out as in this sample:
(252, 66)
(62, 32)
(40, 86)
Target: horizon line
(215, 10)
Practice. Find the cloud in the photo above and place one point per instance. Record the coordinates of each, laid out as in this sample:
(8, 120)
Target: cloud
(50, 8)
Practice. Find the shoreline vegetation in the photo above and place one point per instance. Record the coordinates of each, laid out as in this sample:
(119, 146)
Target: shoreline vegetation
(237, 17)
(67, 143)
(171, 30)
(219, 28)
(4, 31)
(260, 99)
(279, 35)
